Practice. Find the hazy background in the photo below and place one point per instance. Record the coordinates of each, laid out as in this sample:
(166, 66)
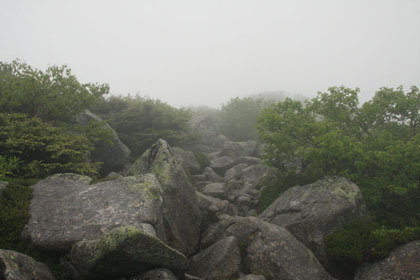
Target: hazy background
(206, 52)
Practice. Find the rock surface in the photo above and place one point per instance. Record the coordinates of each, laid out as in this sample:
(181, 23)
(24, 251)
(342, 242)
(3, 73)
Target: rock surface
(215, 190)
(268, 249)
(65, 209)
(221, 164)
(17, 266)
(182, 216)
(218, 262)
(313, 211)
(187, 160)
(115, 155)
(124, 251)
(402, 263)
(238, 149)
(156, 274)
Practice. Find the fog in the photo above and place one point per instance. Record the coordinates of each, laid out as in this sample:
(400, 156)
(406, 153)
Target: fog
(206, 52)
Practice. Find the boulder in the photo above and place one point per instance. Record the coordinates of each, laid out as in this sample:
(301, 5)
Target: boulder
(215, 190)
(182, 217)
(402, 263)
(252, 277)
(211, 208)
(187, 160)
(313, 211)
(267, 249)
(237, 149)
(156, 274)
(123, 252)
(65, 209)
(220, 261)
(17, 266)
(114, 154)
(221, 164)
(212, 176)
(253, 174)
(234, 172)
(247, 160)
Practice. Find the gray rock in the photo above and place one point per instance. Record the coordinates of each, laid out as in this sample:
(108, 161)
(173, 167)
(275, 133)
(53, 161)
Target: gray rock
(123, 252)
(268, 249)
(156, 274)
(402, 263)
(17, 266)
(215, 190)
(252, 277)
(313, 211)
(211, 208)
(201, 184)
(187, 160)
(115, 155)
(218, 262)
(234, 172)
(247, 160)
(180, 206)
(221, 164)
(65, 209)
(237, 149)
(253, 174)
(210, 175)
(3, 186)
(220, 141)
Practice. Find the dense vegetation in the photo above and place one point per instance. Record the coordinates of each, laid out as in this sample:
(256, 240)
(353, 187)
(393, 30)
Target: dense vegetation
(376, 145)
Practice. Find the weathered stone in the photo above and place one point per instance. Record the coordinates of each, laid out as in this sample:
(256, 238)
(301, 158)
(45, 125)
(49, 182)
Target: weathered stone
(402, 263)
(211, 208)
(218, 262)
(211, 175)
(17, 266)
(187, 160)
(247, 160)
(253, 174)
(3, 186)
(179, 202)
(234, 172)
(237, 149)
(114, 154)
(221, 164)
(268, 249)
(156, 274)
(313, 211)
(65, 209)
(123, 252)
(252, 277)
(215, 190)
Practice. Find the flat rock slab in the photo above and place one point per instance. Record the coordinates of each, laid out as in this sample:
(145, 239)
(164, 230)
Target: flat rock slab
(17, 266)
(123, 252)
(65, 209)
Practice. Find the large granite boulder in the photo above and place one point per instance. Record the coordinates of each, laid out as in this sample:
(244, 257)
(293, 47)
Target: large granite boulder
(65, 209)
(182, 216)
(221, 164)
(313, 211)
(220, 261)
(17, 266)
(187, 160)
(215, 190)
(267, 249)
(402, 263)
(123, 252)
(114, 154)
(238, 149)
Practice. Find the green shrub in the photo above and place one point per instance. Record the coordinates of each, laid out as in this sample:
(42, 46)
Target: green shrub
(364, 241)
(202, 159)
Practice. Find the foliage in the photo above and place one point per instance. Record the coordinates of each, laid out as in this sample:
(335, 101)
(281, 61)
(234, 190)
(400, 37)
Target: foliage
(140, 121)
(53, 95)
(239, 118)
(42, 148)
(375, 145)
(202, 159)
(8, 166)
(364, 241)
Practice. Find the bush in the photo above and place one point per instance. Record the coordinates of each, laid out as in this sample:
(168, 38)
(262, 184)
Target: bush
(364, 241)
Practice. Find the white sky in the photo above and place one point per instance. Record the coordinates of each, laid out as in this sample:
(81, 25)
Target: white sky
(206, 52)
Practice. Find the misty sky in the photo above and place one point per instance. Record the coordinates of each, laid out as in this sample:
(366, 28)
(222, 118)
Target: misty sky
(206, 52)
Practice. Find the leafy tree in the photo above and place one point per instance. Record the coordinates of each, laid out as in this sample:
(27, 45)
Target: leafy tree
(375, 145)
(239, 118)
(53, 95)
(37, 149)
(140, 121)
